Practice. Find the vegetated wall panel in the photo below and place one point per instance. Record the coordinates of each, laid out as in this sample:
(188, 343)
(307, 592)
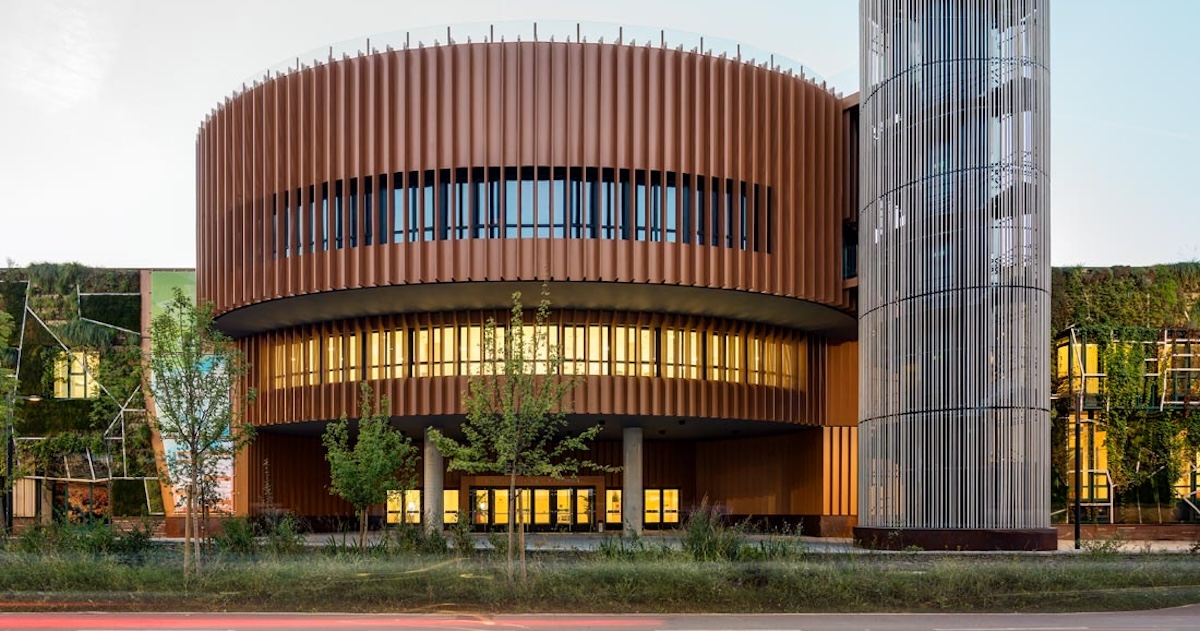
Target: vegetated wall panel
(518, 105)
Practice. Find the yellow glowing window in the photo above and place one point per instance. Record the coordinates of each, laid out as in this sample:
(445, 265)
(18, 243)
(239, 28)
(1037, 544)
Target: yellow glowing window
(422, 353)
(583, 506)
(75, 375)
(472, 341)
(404, 505)
(562, 506)
(612, 506)
(645, 352)
(480, 507)
(670, 505)
(598, 351)
(541, 506)
(450, 506)
(653, 507)
(333, 359)
(500, 512)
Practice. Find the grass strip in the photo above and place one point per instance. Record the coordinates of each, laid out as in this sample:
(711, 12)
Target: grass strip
(313, 581)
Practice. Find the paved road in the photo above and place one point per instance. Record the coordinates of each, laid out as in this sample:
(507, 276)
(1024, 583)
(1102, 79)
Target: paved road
(1176, 619)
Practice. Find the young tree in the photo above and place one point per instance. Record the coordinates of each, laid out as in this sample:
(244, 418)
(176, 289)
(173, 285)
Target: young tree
(193, 372)
(516, 412)
(381, 459)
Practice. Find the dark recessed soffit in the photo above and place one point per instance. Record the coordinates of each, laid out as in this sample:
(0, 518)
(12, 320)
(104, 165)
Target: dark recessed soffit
(700, 301)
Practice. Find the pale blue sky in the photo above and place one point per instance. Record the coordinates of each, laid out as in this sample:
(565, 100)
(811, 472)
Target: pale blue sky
(100, 101)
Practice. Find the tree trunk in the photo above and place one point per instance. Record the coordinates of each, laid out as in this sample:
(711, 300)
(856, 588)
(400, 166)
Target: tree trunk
(512, 492)
(187, 531)
(521, 527)
(362, 528)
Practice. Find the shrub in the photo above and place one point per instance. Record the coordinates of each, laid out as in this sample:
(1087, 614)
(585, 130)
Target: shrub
(237, 537)
(707, 538)
(460, 534)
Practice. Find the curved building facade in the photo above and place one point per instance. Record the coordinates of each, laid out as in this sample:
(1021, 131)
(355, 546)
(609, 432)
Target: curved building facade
(360, 220)
(955, 273)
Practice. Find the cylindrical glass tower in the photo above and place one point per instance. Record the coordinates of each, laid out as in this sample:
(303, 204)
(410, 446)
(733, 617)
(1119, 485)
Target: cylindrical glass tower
(954, 273)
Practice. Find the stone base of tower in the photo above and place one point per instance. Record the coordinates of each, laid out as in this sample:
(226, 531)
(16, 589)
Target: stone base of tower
(956, 538)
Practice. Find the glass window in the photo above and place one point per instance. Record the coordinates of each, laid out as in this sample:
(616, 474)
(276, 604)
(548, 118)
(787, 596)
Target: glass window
(576, 204)
(353, 212)
(528, 209)
(670, 506)
(701, 212)
(729, 213)
(742, 215)
(758, 220)
(429, 207)
(544, 210)
(311, 226)
(368, 211)
(770, 220)
(612, 506)
(383, 209)
(500, 509)
(583, 505)
(325, 216)
(656, 210)
(625, 206)
(598, 350)
(541, 506)
(480, 506)
(398, 216)
(333, 359)
(714, 208)
(495, 207)
(639, 207)
(562, 506)
(462, 204)
(653, 505)
(414, 209)
(285, 232)
(404, 505)
(608, 205)
(75, 375)
(512, 217)
(338, 216)
(443, 211)
(274, 226)
(686, 221)
(478, 204)
(450, 506)
(671, 209)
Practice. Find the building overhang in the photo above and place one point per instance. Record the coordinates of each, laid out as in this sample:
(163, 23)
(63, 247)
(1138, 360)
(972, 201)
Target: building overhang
(345, 304)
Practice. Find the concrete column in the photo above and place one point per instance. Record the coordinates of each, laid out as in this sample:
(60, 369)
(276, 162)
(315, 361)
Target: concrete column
(434, 483)
(632, 493)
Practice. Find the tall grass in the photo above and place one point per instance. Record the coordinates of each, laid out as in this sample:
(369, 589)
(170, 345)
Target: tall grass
(312, 581)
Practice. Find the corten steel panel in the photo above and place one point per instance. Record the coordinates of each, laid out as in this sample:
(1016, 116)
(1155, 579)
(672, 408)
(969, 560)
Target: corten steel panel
(955, 265)
(806, 473)
(521, 105)
(816, 397)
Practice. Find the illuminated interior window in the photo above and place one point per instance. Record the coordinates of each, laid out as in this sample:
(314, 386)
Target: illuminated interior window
(562, 507)
(75, 375)
(653, 506)
(612, 506)
(450, 506)
(404, 505)
(758, 357)
(541, 506)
